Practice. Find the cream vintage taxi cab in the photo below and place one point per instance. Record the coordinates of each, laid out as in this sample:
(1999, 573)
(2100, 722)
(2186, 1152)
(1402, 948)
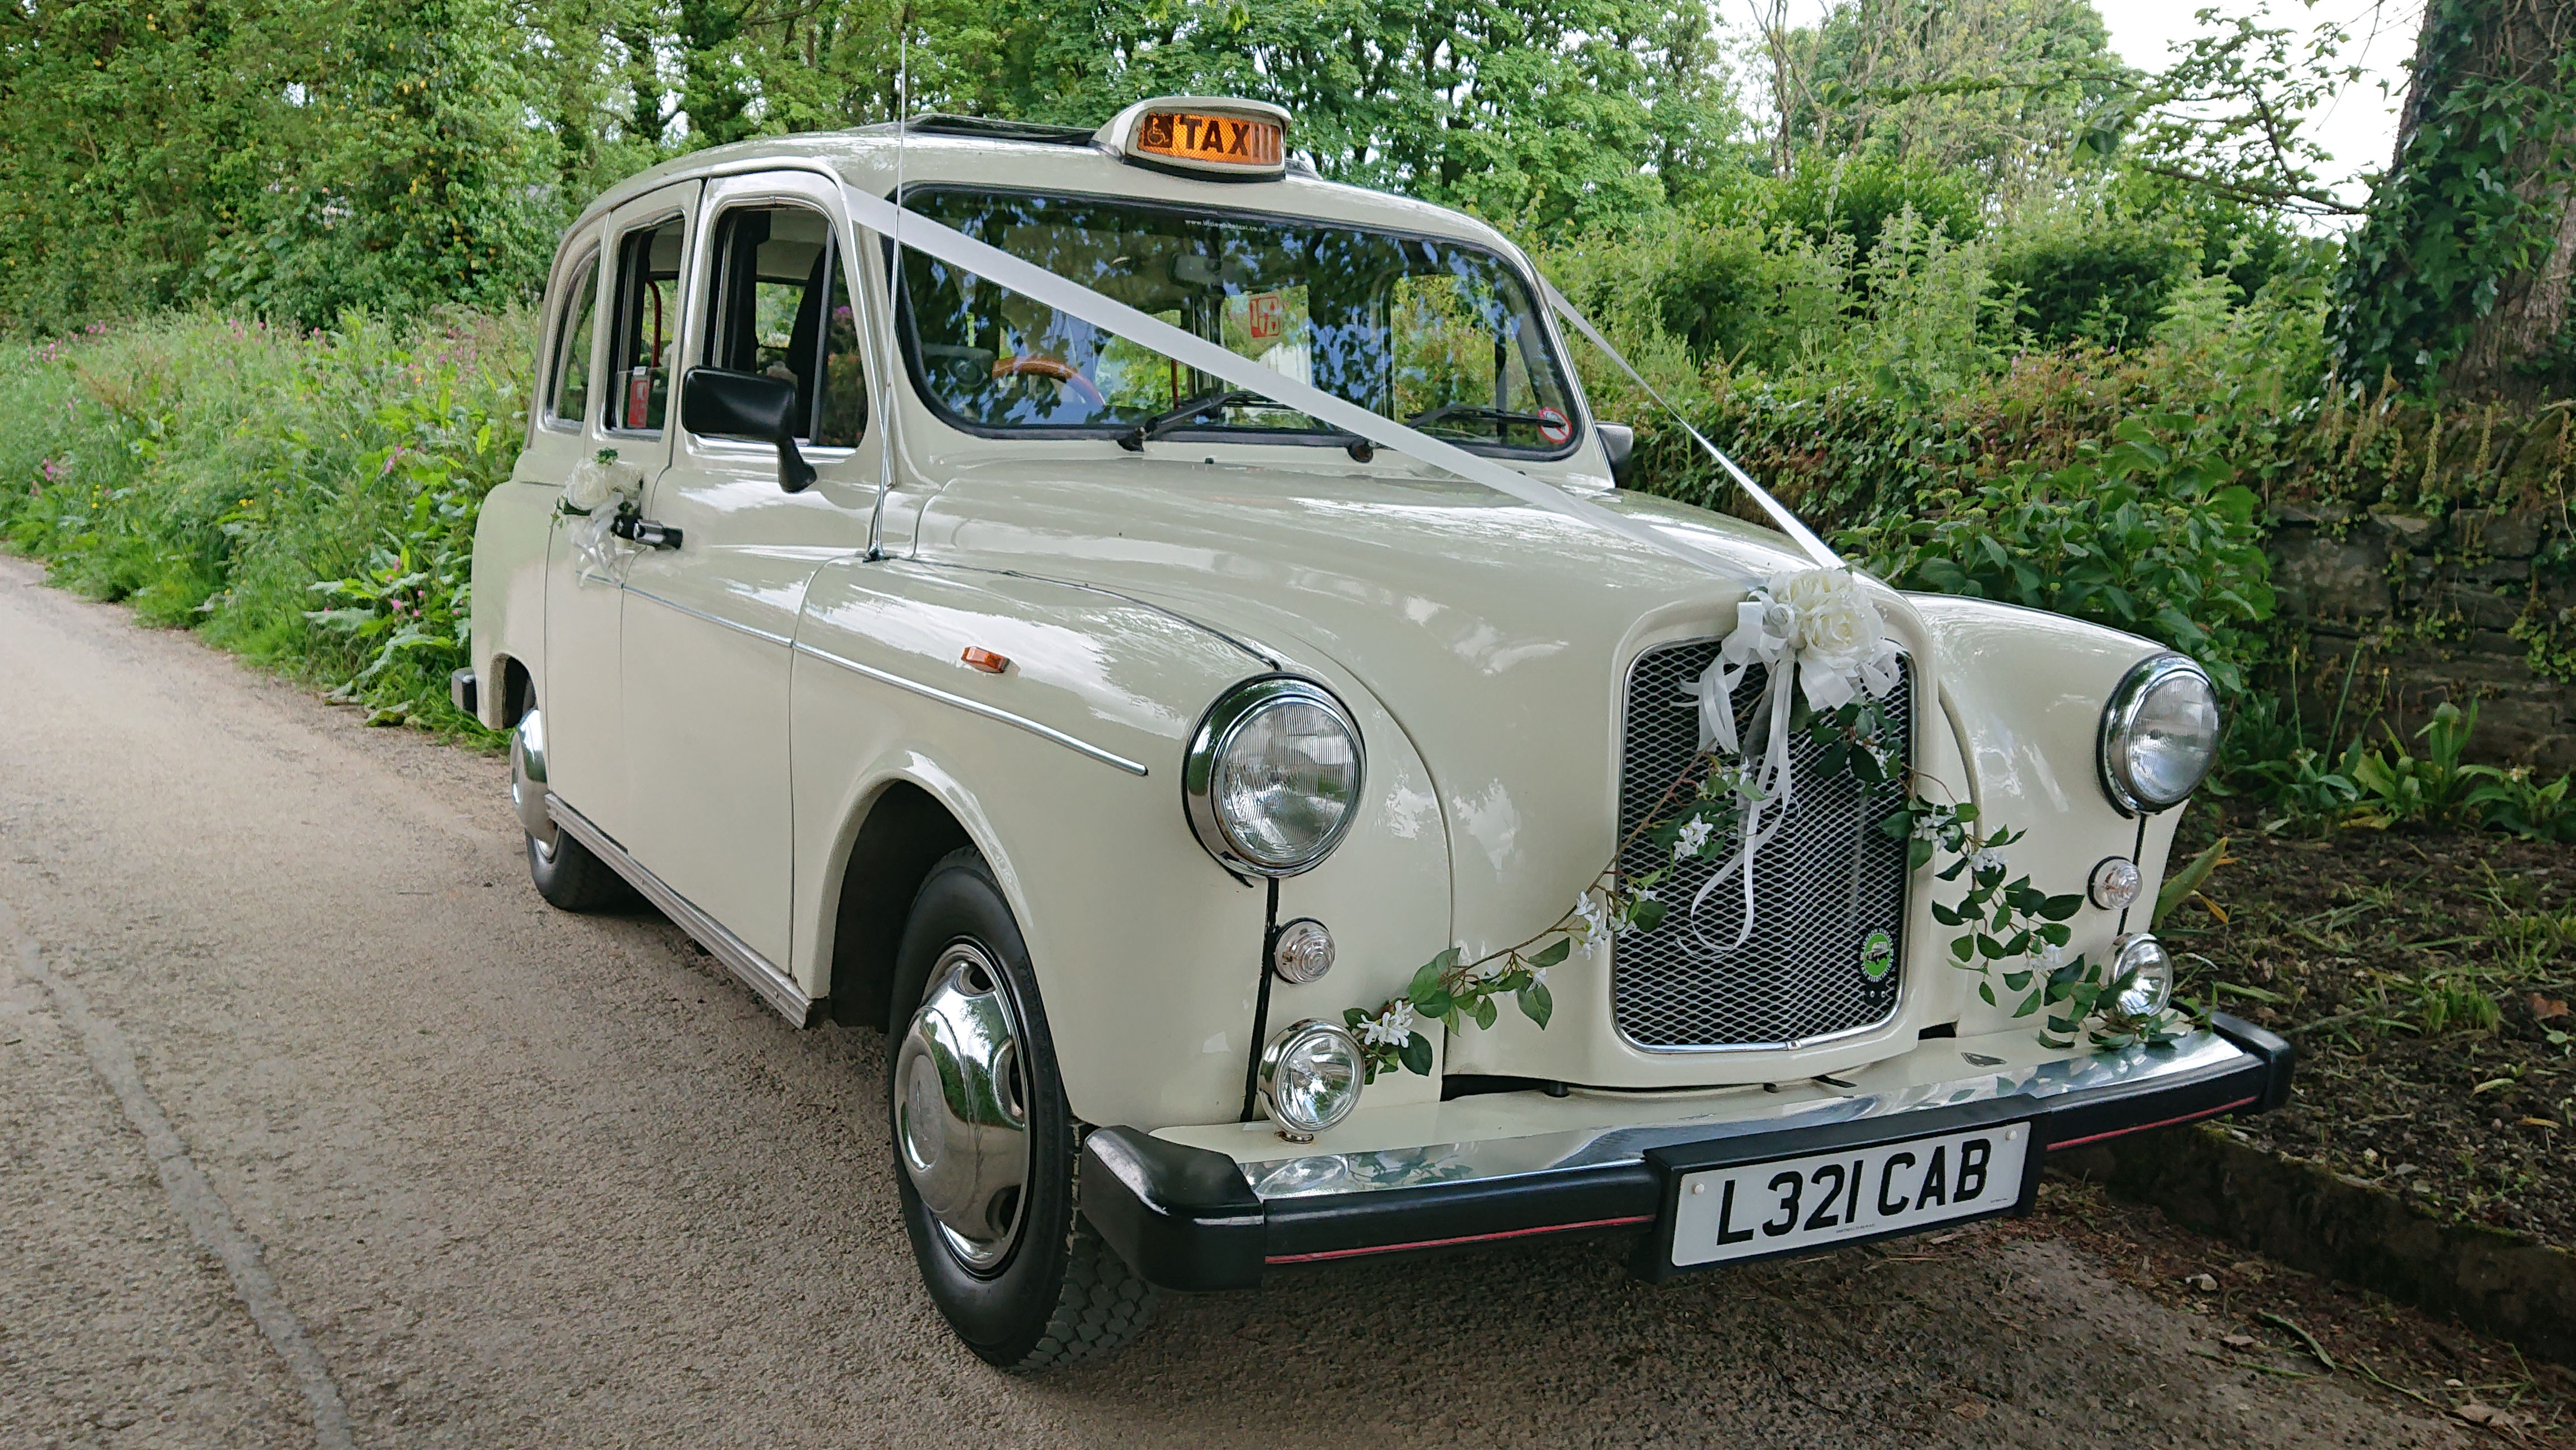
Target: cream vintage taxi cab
(1167, 644)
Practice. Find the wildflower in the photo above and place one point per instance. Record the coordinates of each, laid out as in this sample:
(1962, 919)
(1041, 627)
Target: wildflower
(2051, 956)
(1984, 859)
(1538, 976)
(1926, 827)
(1390, 1028)
(1694, 834)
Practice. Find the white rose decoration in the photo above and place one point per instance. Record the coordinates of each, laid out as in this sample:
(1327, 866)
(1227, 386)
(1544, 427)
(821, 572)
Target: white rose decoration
(599, 479)
(1835, 634)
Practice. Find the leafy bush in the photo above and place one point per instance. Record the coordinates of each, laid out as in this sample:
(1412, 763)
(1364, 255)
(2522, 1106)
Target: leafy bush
(2148, 534)
(2091, 277)
(307, 499)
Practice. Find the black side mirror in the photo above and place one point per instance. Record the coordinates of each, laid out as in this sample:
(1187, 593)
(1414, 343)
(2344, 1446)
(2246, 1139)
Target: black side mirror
(722, 403)
(1620, 442)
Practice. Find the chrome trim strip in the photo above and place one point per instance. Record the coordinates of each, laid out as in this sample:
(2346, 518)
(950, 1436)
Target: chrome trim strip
(2199, 1056)
(774, 986)
(978, 707)
(780, 640)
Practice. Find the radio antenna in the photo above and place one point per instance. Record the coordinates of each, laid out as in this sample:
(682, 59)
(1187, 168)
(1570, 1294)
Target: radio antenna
(894, 280)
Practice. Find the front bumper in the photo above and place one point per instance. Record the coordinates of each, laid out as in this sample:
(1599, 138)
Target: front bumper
(1189, 1216)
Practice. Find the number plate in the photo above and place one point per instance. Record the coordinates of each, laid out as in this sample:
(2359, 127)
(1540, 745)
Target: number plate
(1748, 1210)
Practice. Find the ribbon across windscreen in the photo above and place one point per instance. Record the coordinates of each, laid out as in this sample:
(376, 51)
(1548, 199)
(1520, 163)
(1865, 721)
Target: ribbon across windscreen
(916, 232)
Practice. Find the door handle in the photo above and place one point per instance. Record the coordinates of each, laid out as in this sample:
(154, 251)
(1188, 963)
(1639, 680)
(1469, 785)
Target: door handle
(645, 532)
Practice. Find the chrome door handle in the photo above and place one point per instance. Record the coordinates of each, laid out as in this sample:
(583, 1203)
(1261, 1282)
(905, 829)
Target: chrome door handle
(645, 532)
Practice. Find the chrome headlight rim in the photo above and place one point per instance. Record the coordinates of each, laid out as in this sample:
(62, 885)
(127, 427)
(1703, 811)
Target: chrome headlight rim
(2119, 726)
(1217, 729)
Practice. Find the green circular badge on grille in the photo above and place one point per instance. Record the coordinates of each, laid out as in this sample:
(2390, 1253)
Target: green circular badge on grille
(1877, 956)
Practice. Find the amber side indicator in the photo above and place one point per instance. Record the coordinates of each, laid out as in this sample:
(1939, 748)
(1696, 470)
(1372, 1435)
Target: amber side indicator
(1219, 140)
(977, 657)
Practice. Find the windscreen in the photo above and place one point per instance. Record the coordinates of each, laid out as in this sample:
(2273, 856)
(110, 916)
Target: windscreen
(1425, 330)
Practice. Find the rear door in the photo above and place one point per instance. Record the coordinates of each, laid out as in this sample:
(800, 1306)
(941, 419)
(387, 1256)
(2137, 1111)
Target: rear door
(644, 247)
(711, 624)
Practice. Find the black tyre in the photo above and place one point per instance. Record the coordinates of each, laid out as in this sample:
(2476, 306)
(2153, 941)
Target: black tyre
(983, 1143)
(571, 878)
(566, 873)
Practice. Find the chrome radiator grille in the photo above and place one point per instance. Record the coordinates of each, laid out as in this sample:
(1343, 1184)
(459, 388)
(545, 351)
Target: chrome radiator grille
(1827, 887)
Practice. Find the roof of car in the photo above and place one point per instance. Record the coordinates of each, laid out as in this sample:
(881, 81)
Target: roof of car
(1019, 155)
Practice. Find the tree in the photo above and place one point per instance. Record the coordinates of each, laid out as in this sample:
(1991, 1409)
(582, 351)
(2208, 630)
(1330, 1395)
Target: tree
(2459, 274)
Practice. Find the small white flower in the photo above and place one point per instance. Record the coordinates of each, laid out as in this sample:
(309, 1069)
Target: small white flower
(1926, 828)
(1694, 834)
(1591, 921)
(2051, 955)
(1538, 976)
(1983, 859)
(1391, 1028)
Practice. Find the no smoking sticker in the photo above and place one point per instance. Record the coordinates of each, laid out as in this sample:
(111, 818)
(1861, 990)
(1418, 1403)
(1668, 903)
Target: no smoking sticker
(1554, 426)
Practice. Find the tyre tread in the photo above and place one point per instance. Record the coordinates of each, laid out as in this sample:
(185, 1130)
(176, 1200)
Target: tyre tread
(1101, 1307)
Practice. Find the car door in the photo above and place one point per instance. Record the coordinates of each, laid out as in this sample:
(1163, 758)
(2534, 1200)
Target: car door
(643, 246)
(711, 623)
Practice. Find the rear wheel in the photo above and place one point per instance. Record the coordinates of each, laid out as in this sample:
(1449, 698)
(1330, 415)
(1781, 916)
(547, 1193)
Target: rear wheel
(983, 1142)
(567, 875)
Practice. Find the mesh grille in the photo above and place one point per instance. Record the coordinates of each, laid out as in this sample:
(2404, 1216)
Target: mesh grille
(1827, 885)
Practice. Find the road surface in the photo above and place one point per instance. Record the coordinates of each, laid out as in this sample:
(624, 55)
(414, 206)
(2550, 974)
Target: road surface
(317, 1127)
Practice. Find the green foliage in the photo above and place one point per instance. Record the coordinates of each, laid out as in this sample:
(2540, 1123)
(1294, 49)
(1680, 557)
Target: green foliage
(308, 500)
(2100, 278)
(2472, 203)
(2148, 534)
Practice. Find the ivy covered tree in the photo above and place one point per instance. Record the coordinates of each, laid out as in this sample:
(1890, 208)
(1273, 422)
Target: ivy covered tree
(2459, 274)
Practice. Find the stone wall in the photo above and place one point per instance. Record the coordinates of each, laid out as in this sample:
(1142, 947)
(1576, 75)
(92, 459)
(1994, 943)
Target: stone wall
(2436, 608)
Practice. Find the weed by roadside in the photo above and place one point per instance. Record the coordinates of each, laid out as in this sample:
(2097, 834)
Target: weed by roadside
(305, 499)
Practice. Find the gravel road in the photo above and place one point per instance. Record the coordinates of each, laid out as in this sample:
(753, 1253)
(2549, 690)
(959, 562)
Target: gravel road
(317, 1127)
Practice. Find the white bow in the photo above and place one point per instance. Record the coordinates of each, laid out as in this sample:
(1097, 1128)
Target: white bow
(1812, 630)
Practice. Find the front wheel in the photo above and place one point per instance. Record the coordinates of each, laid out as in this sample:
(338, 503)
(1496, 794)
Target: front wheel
(983, 1142)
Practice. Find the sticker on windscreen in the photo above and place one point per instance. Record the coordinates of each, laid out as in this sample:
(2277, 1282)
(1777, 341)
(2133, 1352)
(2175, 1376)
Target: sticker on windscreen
(1554, 426)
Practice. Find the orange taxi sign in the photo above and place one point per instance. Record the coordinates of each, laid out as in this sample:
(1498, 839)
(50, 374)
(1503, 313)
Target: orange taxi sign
(1203, 135)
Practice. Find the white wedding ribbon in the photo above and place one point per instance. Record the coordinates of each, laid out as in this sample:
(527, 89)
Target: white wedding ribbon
(947, 244)
(1772, 777)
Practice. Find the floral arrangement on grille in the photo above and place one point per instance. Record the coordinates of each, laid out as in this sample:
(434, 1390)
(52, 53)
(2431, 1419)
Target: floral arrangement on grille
(1827, 663)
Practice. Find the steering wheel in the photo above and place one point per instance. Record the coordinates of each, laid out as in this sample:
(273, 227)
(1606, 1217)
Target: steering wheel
(1064, 373)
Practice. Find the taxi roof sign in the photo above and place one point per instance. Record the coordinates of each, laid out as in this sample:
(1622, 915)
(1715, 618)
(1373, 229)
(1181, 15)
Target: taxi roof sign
(1205, 136)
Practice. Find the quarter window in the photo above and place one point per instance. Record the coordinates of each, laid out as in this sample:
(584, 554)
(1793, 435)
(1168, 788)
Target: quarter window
(777, 306)
(648, 326)
(570, 399)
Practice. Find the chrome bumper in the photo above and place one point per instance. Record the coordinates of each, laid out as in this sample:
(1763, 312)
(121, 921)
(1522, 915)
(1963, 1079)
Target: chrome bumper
(1187, 1216)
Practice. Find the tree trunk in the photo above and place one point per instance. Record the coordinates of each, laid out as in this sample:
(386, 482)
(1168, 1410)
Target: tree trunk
(2460, 273)
(2526, 40)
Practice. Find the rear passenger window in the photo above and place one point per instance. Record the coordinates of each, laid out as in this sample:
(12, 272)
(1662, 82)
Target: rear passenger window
(569, 399)
(648, 326)
(778, 306)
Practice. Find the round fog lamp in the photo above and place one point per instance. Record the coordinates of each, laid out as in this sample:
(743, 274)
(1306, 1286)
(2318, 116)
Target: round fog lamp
(1310, 1078)
(2143, 973)
(1303, 951)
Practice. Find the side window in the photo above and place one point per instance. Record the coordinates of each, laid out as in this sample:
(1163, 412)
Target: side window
(569, 399)
(648, 326)
(778, 306)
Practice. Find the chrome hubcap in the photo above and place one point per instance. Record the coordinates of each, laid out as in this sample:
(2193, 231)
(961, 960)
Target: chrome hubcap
(528, 781)
(961, 1121)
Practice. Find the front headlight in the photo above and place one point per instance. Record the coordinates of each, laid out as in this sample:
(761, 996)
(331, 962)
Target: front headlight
(2142, 974)
(1273, 776)
(2159, 735)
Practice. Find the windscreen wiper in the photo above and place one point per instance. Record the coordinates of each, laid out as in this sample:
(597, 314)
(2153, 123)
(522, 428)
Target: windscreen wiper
(1171, 419)
(1470, 410)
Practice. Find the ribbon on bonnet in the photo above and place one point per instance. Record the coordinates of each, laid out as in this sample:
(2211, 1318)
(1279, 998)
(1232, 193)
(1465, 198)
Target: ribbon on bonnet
(1813, 631)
